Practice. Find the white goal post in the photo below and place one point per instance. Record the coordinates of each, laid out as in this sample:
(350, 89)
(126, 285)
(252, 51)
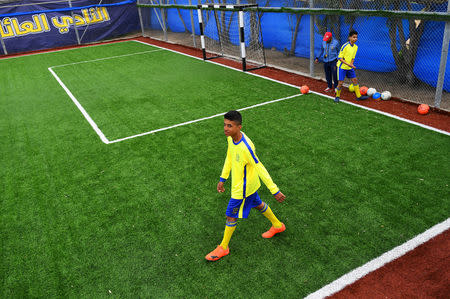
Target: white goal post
(234, 31)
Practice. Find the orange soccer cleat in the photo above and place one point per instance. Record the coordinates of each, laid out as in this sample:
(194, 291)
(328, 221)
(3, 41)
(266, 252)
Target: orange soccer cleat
(273, 231)
(217, 253)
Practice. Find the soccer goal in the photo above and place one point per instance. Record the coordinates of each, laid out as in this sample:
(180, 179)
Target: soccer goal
(232, 31)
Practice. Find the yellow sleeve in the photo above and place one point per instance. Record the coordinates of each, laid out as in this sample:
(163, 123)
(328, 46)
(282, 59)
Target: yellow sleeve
(226, 167)
(263, 173)
(354, 52)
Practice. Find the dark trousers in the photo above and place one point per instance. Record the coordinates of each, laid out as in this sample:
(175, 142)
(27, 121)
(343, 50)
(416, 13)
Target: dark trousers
(331, 73)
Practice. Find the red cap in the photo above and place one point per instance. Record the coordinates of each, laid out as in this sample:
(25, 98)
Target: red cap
(327, 36)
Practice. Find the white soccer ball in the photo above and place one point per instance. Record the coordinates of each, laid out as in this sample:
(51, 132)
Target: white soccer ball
(371, 91)
(385, 95)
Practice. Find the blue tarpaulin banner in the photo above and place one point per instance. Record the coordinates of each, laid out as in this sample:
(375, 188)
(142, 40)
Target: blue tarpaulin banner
(31, 27)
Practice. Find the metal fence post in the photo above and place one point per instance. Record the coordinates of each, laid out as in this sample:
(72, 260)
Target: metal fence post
(74, 24)
(163, 17)
(443, 64)
(140, 19)
(192, 24)
(311, 40)
(3, 45)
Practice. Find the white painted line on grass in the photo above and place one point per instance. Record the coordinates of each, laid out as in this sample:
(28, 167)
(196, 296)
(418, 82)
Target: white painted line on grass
(387, 257)
(217, 63)
(346, 279)
(380, 261)
(106, 58)
(83, 111)
(75, 47)
(387, 114)
(201, 119)
(324, 95)
(216, 115)
(100, 133)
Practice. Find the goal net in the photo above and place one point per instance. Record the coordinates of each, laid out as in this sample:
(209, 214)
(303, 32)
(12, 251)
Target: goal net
(233, 31)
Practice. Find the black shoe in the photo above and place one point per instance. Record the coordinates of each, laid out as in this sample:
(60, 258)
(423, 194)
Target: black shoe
(336, 99)
(362, 98)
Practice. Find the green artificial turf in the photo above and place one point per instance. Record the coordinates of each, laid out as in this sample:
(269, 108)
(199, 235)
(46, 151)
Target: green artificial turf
(80, 218)
(128, 95)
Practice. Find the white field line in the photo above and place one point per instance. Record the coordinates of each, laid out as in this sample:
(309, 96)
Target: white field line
(388, 114)
(62, 50)
(72, 97)
(83, 111)
(100, 133)
(357, 273)
(201, 119)
(321, 94)
(106, 58)
(216, 115)
(387, 257)
(267, 78)
(380, 261)
(222, 65)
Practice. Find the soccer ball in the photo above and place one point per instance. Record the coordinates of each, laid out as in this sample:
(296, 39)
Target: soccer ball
(304, 89)
(363, 90)
(423, 108)
(351, 88)
(385, 95)
(376, 96)
(371, 91)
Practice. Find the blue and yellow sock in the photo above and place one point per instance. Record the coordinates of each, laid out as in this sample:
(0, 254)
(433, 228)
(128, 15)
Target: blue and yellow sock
(338, 92)
(229, 230)
(266, 211)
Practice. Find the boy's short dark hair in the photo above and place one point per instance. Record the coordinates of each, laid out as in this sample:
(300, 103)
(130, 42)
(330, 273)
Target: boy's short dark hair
(234, 115)
(352, 32)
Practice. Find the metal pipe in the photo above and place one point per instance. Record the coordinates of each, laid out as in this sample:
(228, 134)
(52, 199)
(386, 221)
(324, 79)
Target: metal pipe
(74, 24)
(3, 45)
(140, 20)
(443, 64)
(311, 40)
(163, 16)
(156, 13)
(192, 25)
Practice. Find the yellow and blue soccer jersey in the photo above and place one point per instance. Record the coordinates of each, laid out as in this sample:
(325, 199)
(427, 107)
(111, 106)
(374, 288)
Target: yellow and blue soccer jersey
(246, 169)
(348, 53)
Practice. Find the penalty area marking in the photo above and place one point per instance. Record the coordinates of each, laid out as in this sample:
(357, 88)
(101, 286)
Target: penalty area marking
(321, 94)
(380, 261)
(75, 101)
(103, 137)
(83, 111)
(201, 119)
(97, 129)
(106, 58)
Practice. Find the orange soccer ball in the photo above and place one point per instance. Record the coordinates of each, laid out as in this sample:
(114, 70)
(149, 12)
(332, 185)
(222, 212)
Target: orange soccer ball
(423, 109)
(363, 90)
(304, 89)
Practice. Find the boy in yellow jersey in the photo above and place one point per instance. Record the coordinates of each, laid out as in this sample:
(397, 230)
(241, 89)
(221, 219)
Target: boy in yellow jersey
(246, 170)
(345, 66)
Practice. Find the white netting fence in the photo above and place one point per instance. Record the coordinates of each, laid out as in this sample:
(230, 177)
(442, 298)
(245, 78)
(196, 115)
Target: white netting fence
(398, 51)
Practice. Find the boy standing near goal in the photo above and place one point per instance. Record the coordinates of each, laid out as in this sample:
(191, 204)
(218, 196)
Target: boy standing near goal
(246, 169)
(345, 66)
